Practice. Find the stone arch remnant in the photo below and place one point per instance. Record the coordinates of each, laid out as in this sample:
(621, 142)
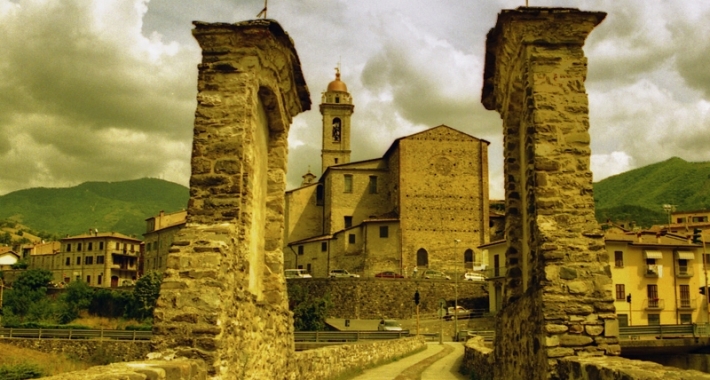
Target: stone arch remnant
(223, 299)
(557, 299)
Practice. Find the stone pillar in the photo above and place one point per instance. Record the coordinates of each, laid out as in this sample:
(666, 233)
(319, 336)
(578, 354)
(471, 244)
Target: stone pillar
(223, 299)
(558, 293)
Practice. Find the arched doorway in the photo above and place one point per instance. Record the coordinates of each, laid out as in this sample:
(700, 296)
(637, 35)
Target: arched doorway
(422, 258)
(468, 259)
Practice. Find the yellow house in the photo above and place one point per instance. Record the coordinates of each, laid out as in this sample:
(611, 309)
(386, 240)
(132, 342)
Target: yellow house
(657, 278)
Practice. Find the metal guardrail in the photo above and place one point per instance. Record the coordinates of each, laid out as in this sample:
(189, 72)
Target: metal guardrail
(74, 334)
(626, 332)
(659, 331)
(299, 336)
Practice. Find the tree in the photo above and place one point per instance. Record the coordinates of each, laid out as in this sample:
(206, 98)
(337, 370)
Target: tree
(5, 238)
(21, 264)
(309, 312)
(77, 296)
(29, 288)
(145, 294)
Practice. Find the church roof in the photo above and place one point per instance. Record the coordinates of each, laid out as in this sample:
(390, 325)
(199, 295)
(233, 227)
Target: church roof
(395, 143)
(337, 85)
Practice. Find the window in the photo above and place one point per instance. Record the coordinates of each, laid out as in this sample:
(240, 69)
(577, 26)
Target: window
(348, 221)
(98, 280)
(88, 260)
(618, 259)
(373, 184)
(384, 231)
(101, 245)
(90, 247)
(88, 279)
(118, 246)
(351, 238)
(323, 246)
(685, 296)
(686, 319)
(155, 245)
(682, 267)
(99, 259)
(652, 293)
(308, 268)
(78, 247)
(337, 99)
(68, 247)
(654, 319)
(623, 320)
(300, 267)
(319, 195)
(335, 160)
(67, 262)
(300, 249)
(348, 186)
(336, 129)
(680, 220)
(620, 292)
(78, 260)
(700, 219)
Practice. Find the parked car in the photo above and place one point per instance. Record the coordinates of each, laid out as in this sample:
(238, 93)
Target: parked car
(342, 273)
(389, 325)
(296, 273)
(472, 276)
(431, 274)
(459, 311)
(389, 274)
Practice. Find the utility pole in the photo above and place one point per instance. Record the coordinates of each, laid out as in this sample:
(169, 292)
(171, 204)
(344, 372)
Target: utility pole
(2, 287)
(456, 290)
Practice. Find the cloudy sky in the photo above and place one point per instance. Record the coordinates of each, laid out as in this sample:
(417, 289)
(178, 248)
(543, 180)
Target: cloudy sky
(104, 90)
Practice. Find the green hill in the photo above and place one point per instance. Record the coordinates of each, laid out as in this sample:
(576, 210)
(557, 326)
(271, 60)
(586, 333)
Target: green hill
(108, 206)
(639, 195)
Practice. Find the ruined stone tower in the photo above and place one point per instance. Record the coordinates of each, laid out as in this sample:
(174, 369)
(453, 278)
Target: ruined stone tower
(336, 107)
(558, 297)
(223, 299)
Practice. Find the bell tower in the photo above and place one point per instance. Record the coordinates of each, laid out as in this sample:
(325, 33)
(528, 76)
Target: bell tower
(336, 107)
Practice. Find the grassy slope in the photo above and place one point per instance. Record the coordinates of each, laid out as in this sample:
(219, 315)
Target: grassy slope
(107, 206)
(640, 194)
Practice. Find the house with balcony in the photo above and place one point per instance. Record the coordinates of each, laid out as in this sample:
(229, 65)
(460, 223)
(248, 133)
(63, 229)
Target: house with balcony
(657, 278)
(106, 259)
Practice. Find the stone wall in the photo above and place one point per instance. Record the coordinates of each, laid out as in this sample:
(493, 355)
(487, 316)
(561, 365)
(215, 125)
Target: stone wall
(333, 361)
(558, 293)
(86, 350)
(478, 359)
(373, 298)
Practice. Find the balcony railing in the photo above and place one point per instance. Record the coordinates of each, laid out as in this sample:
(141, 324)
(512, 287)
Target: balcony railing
(687, 303)
(654, 304)
(651, 270)
(684, 271)
(495, 272)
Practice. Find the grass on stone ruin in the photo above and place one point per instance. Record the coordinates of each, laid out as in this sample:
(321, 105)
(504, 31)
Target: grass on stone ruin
(22, 363)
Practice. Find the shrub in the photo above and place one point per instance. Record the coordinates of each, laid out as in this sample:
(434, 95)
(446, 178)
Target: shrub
(20, 371)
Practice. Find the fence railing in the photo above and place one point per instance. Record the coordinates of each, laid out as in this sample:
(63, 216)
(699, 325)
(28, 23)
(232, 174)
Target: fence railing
(74, 334)
(626, 332)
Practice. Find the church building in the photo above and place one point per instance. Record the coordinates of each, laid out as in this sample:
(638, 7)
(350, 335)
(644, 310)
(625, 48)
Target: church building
(423, 204)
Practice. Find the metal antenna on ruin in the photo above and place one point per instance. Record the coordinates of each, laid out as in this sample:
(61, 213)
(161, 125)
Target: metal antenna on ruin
(263, 11)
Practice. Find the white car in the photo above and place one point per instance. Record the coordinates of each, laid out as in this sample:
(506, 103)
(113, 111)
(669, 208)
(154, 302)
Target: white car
(296, 273)
(476, 277)
(342, 273)
(389, 325)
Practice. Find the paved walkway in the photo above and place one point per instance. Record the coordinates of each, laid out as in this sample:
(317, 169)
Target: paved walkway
(437, 362)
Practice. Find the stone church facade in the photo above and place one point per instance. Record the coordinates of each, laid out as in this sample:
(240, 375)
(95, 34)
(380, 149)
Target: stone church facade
(423, 204)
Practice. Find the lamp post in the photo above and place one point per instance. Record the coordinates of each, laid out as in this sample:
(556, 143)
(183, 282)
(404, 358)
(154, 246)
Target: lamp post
(456, 290)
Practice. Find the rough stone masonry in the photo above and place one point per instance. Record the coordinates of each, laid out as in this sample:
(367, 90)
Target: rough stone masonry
(558, 292)
(224, 299)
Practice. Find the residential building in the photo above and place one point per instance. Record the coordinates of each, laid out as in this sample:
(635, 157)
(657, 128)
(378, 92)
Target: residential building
(495, 272)
(657, 278)
(160, 233)
(423, 204)
(8, 258)
(107, 259)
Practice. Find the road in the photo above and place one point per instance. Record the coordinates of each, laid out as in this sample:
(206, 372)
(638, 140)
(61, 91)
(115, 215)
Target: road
(437, 362)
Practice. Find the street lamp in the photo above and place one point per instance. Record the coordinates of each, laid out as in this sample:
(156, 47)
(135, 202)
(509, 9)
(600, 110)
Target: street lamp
(456, 290)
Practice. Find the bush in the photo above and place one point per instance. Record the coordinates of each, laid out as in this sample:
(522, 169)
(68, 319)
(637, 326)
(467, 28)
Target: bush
(20, 371)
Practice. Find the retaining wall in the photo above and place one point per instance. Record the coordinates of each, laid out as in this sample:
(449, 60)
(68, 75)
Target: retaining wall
(86, 350)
